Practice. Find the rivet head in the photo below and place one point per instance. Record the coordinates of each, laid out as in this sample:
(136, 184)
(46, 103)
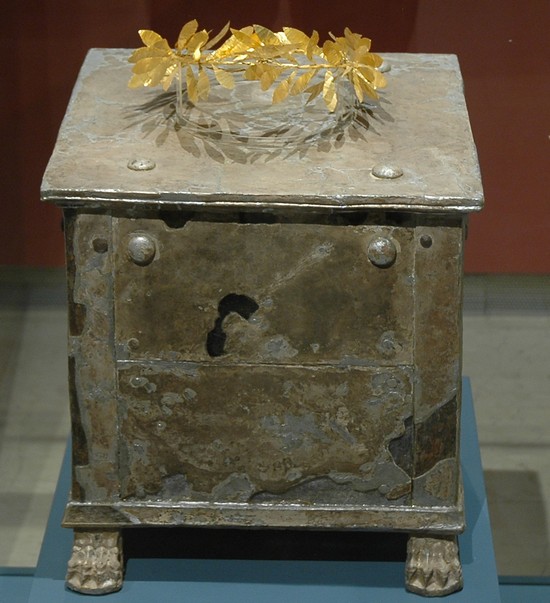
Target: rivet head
(141, 164)
(382, 252)
(100, 245)
(426, 241)
(141, 249)
(133, 343)
(387, 171)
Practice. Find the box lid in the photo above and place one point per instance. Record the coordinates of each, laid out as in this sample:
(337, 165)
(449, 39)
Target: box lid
(118, 146)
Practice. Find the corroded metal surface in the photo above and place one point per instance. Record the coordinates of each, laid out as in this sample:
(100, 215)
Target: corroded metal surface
(264, 293)
(267, 339)
(421, 129)
(302, 435)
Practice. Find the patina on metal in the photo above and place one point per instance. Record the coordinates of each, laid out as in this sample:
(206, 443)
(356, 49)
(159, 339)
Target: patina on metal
(266, 338)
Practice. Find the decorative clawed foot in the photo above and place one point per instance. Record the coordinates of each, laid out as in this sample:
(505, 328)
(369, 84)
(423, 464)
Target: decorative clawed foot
(95, 567)
(433, 566)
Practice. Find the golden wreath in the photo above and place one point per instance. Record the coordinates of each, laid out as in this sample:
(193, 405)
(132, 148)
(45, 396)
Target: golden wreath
(289, 58)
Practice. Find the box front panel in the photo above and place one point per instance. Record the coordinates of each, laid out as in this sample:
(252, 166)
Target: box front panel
(263, 293)
(265, 434)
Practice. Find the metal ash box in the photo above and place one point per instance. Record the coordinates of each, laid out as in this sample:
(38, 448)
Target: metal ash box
(265, 331)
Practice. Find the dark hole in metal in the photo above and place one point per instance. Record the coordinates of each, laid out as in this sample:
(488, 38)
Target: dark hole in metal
(243, 305)
(175, 219)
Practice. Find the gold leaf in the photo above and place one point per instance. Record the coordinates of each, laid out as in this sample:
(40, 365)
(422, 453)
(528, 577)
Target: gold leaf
(203, 84)
(329, 91)
(281, 91)
(379, 79)
(149, 37)
(332, 52)
(146, 52)
(191, 82)
(312, 47)
(365, 83)
(185, 34)
(247, 41)
(269, 75)
(148, 64)
(295, 36)
(138, 80)
(314, 91)
(252, 72)
(217, 38)
(196, 41)
(301, 82)
(224, 78)
(356, 41)
(171, 73)
(266, 36)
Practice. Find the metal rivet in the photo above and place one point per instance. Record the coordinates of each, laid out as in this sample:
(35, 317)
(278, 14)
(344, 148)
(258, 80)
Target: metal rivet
(100, 245)
(382, 252)
(426, 241)
(389, 172)
(141, 249)
(133, 343)
(141, 165)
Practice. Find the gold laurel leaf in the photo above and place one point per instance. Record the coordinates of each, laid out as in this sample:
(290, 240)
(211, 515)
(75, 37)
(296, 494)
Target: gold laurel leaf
(148, 64)
(149, 37)
(296, 36)
(246, 40)
(301, 82)
(281, 91)
(314, 91)
(224, 78)
(266, 36)
(138, 80)
(269, 75)
(185, 34)
(312, 47)
(211, 43)
(252, 72)
(171, 73)
(332, 52)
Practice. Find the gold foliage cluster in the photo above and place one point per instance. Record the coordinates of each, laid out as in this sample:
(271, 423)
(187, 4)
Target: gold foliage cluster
(289, 60)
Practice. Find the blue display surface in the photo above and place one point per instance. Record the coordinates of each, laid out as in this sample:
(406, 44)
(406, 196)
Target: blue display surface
(149, 579)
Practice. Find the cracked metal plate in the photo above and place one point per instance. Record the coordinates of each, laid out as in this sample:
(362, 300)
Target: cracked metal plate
(263, 293)
(194, 432)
